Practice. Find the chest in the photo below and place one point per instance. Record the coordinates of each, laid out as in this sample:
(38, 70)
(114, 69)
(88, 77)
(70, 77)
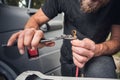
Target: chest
(75, 15)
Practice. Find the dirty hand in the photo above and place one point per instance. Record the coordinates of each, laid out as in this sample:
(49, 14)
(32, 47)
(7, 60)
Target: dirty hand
(29, 38)
(82, 50)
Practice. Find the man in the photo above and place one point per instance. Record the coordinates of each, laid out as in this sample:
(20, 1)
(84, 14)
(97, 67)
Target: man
(92, 18)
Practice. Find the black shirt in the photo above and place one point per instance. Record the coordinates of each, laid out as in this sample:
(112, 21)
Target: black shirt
(95, 26)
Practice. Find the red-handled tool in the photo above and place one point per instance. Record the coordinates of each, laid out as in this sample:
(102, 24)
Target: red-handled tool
(34, 53)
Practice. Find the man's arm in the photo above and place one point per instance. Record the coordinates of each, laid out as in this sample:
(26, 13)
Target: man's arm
(31, 35)
(84, 50)
(112, 45)
(37, 20)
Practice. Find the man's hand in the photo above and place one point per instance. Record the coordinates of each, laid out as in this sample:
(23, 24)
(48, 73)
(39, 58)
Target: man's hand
(29, 38)
(83, 50)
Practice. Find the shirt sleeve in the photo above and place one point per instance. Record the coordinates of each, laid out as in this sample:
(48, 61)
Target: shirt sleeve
(51, 8)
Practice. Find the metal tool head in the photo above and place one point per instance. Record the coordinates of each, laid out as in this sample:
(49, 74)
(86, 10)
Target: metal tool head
(67, 37)
(58, 38)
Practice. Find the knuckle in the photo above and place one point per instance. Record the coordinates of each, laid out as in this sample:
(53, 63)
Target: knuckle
(38, 33)
(29, 32)
(85, 39)
(32, 29)
(21, 35)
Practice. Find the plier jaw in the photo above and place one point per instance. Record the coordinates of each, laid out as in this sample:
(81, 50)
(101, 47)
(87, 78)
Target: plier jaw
(69, 37)
(64, 36)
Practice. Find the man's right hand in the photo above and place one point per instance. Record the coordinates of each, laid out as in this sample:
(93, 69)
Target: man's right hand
(29, 38)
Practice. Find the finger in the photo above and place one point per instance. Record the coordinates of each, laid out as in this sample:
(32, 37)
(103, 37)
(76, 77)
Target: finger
(13, 38)
(77, 43)
(79, 58)
(28, 37)
(77, 63)
(85, 43)
(20, 43)
(82, 51)
(36, 39)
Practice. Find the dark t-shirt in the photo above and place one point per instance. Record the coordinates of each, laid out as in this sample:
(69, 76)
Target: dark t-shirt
(95, 26)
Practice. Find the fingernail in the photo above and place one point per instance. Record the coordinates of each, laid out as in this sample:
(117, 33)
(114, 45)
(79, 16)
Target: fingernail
(21, 51)
(33, 48)
(8, 44)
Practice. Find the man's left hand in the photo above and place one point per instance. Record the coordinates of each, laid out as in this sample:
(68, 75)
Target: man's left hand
(83, 51)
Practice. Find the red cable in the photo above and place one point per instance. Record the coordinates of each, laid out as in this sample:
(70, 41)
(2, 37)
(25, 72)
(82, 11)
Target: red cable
(77, 71)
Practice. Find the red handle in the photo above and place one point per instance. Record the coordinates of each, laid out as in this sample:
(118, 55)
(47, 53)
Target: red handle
(33, 53)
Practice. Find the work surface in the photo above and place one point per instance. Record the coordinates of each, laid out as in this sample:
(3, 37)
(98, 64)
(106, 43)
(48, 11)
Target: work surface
(27, 74)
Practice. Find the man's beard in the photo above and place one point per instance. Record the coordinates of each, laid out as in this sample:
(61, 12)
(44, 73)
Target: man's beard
(89, 6)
